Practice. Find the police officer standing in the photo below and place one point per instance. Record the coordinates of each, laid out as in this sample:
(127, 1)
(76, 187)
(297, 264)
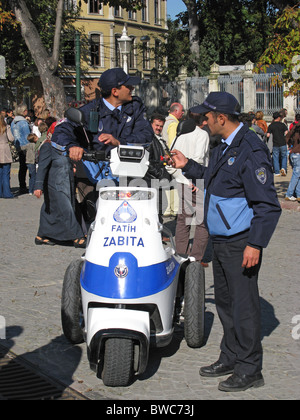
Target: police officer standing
(241, 212)
(116, 118)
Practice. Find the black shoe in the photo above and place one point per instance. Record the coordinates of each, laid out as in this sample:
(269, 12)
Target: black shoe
(43, 241)
(80, 242)
(23, 191)
(237, 383)
(215, 370)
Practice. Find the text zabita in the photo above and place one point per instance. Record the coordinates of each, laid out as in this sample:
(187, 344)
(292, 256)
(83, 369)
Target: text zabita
(123, 241)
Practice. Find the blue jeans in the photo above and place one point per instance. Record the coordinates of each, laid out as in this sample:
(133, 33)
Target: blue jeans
(294, 185)
(32, 175)
(5, 191)
(279, 155)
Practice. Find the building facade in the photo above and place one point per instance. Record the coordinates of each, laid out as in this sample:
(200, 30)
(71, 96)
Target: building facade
(100, 26)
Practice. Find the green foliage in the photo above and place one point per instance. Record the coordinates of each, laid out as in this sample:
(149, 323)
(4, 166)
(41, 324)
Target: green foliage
(175, 46)
(6, 18)
(284, 49)
(230, 31)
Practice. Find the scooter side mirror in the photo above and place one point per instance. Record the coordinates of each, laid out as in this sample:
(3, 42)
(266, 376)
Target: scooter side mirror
(75, 115)
(186, 126)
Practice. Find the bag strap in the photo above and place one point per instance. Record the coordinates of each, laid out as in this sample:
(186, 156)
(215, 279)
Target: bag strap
(9, 141)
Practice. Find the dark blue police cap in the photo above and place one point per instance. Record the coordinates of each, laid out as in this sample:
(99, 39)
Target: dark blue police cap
(219, 102)
(114, 78)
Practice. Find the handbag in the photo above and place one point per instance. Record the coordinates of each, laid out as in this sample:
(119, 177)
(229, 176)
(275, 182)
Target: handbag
(13, 149)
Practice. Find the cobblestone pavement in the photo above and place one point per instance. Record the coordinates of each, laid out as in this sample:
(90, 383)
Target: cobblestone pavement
(30, 295)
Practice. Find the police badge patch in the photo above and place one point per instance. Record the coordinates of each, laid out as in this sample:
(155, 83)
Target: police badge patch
(261, 175)
(231, 161)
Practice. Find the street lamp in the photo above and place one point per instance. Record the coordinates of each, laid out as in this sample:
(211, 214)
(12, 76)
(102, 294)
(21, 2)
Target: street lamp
(125, 43)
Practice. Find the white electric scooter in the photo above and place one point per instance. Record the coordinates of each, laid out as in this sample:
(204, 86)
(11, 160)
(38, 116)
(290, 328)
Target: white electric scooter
(125, 294)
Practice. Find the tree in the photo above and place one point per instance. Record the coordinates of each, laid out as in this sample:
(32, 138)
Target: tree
(193, 24)
(47, 62)
(175, 46)
(284, 49)
(226, 31)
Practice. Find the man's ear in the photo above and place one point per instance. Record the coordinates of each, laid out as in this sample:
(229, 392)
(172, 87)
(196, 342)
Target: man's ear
(115, 92)
(222, 119)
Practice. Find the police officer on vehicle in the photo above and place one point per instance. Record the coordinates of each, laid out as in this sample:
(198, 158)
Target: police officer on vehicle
(241, 212)
(116, 118)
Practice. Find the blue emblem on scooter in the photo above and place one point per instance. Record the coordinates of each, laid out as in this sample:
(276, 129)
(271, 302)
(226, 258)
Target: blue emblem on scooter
(125, 213)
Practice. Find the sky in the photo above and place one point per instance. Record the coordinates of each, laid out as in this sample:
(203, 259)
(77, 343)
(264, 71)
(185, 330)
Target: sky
(174, 7)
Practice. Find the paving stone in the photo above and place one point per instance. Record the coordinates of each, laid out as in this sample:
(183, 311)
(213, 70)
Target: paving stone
(30, 295)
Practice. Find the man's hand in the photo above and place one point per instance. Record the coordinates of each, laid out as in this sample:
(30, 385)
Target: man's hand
(251, 257)
(38, 193)
(75, 153)
(178, 159)
(108, 139)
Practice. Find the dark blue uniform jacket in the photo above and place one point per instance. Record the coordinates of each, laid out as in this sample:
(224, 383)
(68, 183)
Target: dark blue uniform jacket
(131, 126)
(240, 197)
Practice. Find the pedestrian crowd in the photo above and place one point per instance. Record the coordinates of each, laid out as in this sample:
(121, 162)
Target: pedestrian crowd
(23, 135)
(235, 154)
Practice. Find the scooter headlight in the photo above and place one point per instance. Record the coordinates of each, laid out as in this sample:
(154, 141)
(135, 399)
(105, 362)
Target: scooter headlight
(126, 195)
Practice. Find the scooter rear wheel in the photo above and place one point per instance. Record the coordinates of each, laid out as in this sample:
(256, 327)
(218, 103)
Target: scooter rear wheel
(194, 305)
(118, 362)
(71, 305)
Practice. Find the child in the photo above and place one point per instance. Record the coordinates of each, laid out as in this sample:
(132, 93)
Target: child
(43, 127)
(29, 148)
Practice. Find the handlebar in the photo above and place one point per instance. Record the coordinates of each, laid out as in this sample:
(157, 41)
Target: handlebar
(95, 156)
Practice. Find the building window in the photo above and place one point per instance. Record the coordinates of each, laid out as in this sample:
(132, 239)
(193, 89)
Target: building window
(131, 14)
(132, 54)
(118, 11)
(95, 6)
(145, 56)
(145, 10)
(69, 52)
(70, 92)
(157, 12)
(118, 61)
(96, 45)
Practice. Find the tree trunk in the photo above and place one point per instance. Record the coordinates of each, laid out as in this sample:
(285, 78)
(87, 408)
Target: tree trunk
(191, 6)
(53, 88)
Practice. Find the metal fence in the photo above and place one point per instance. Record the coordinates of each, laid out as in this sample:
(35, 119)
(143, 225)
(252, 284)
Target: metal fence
(233, 84)
(159, 94)
(197, 89)
(269, 96)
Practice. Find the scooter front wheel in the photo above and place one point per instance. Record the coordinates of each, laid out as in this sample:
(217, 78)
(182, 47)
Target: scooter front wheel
(118, 362)
(71, 304)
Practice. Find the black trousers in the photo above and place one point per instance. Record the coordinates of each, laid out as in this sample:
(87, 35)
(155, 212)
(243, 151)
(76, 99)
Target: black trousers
(22, 169)
(237, 303)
